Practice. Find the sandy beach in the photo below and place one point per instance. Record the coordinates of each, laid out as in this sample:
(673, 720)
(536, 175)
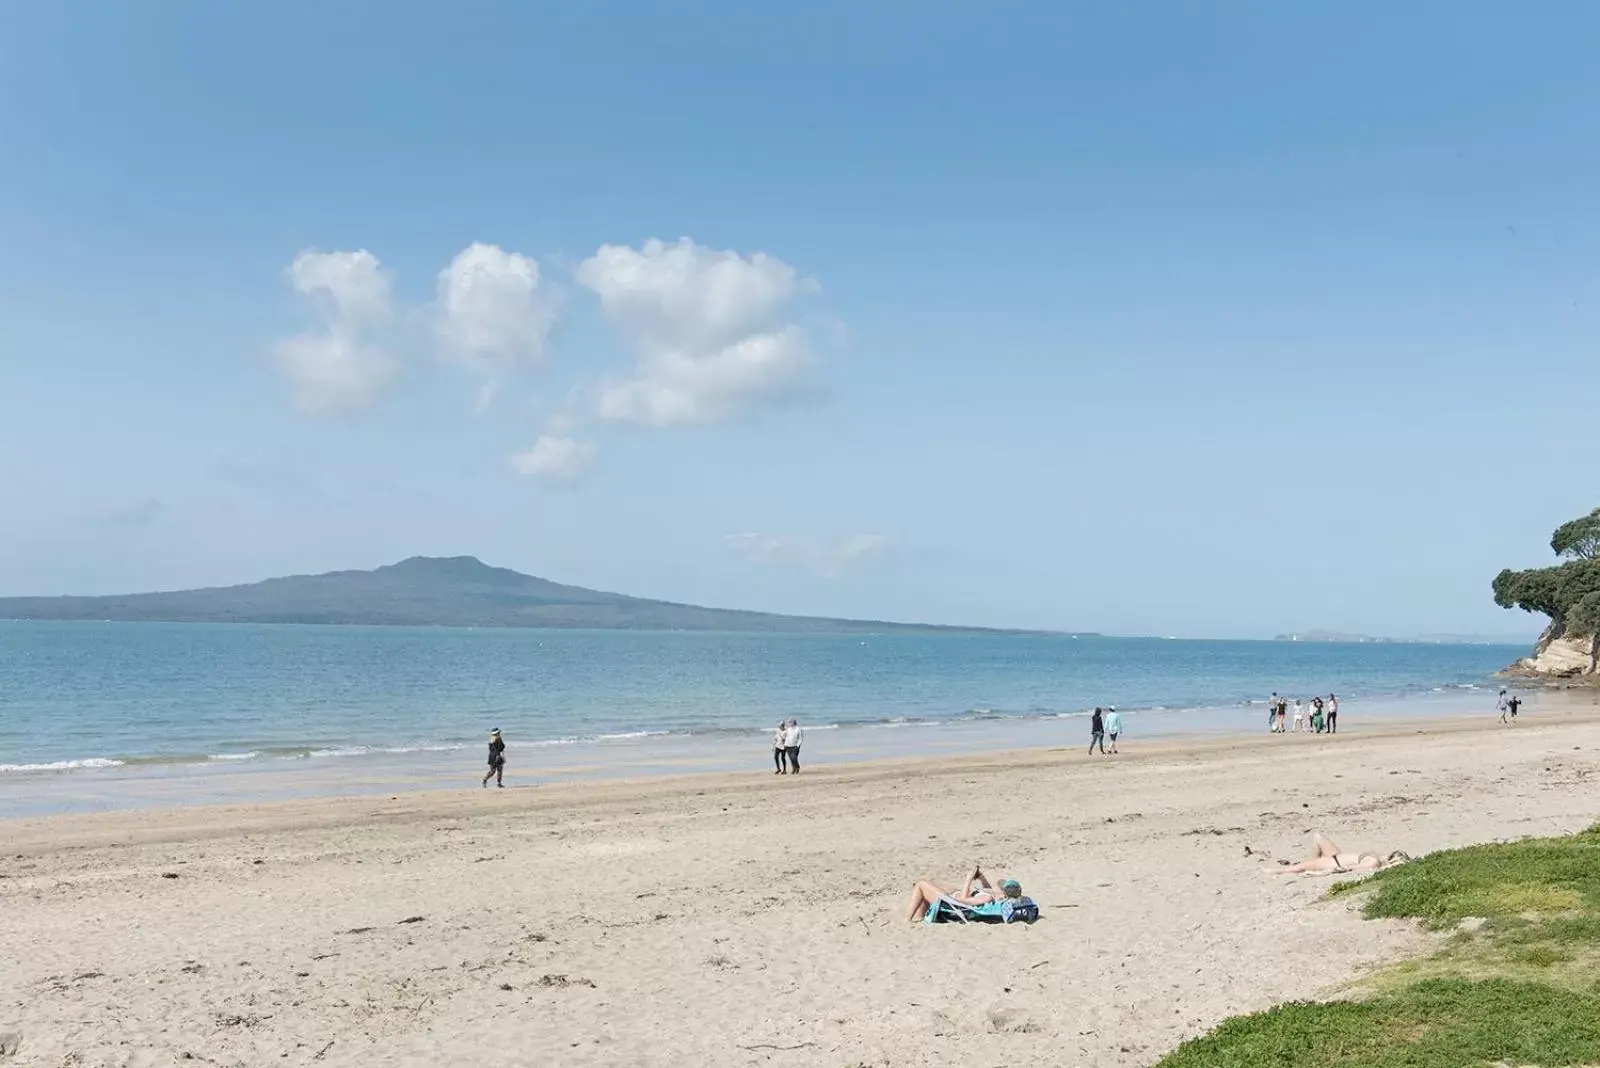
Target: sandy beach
(747, 919)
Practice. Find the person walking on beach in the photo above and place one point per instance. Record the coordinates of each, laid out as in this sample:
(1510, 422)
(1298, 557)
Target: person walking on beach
(1113, 725)
(1097, 732)
(1272, 713)
(1333, 714)
(791, 745)
(1316, 717)
(1512, 706)
(1503, 705)
(1283, 715)
(1299, 714)
(497, 760)
(780, 747)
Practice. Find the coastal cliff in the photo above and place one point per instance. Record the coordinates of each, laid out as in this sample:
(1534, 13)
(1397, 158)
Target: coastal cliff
(1569, 594)
(1560, 657)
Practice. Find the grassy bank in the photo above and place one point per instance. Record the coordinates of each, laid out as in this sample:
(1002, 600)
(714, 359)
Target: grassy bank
(1517, 983)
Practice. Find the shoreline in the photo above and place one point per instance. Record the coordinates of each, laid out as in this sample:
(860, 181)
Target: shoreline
(173, 822)
(143, 786)
(743, 920)
(213, 701)
(1216, 716)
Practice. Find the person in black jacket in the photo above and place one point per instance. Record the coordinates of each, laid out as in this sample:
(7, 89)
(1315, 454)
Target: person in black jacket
(497, 759)
(1097, 732)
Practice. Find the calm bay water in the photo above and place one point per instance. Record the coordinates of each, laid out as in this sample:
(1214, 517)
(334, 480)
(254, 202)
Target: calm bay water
(80, 696)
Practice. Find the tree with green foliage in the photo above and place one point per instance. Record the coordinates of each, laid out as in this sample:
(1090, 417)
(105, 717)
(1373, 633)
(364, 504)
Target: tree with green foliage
(1568, 592)
(1584, 615)
(1579, 539)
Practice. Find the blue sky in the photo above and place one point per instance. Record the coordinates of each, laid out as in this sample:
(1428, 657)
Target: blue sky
(1213, 320)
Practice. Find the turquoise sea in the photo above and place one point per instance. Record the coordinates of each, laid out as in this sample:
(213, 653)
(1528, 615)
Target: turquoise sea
(89, 711)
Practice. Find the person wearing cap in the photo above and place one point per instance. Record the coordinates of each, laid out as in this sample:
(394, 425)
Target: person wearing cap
(1113, 725)
(978, 891)
(497, 760)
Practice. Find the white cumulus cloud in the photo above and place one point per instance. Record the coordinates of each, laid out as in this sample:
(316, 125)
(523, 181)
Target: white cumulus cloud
(340, 366)
(493, 310)
(709, 328)
(827, 558)
(556, 458)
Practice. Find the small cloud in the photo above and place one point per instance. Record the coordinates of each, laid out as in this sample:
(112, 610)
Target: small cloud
(493, 311)
(681, 389)
(556, 459)
(334, 373)
(828, 559)
(339, 367)
(709, 327)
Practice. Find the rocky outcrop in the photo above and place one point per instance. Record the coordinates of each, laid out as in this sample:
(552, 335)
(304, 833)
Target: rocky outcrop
(1559, 656)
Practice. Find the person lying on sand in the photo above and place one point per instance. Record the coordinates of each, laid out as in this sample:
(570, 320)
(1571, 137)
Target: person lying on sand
(978, 891)
(1328, 858)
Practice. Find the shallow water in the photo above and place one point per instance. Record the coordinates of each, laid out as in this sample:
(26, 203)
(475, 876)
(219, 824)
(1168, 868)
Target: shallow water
(93, 714)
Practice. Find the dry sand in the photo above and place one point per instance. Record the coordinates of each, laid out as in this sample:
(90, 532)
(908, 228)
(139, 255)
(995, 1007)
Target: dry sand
(726, 920)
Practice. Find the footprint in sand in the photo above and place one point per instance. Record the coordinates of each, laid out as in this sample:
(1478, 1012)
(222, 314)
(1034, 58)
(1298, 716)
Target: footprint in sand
(10, 1042)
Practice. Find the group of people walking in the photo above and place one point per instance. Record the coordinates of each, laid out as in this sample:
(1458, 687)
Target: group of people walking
(786, 747)
(1318, 715)
(1509, 706)
(1106, 723)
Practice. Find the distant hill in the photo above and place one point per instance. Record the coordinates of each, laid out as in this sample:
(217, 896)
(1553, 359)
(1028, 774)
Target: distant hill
(458, 591)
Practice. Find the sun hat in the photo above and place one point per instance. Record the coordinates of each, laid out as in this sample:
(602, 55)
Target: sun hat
(1010, 885)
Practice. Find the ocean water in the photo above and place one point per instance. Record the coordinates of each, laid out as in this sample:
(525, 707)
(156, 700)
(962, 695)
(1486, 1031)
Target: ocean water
(77, 697)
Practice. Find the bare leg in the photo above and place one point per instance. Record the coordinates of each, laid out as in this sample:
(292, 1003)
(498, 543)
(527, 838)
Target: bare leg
(915, 905)
(923, 895)
(1325, 848)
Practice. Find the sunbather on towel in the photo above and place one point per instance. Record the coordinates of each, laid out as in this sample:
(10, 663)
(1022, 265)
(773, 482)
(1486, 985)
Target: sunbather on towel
(978, 891)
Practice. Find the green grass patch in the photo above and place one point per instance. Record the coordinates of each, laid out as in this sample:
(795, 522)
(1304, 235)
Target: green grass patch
(1543, 956)
(1434, 1023)
(1522, 989)
(1535, 877)
(1552, 960)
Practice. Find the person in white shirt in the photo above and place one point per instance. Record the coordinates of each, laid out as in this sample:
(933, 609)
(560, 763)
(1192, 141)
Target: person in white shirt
(1112, 721)
(791, 745)
(1299, 714)
(778, 744)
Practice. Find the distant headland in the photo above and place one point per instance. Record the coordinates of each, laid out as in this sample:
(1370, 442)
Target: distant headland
(458, 591)
(1417, 639)
(1568, 594)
